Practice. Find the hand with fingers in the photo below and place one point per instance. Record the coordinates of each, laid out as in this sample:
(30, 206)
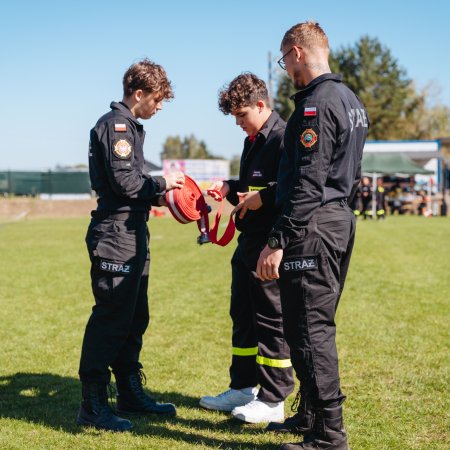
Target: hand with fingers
(174, 180)
(247, 201)
(222, 186)
(268, 263)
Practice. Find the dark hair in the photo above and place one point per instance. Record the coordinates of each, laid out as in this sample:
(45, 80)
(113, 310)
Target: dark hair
(149, 77)
(245, 90)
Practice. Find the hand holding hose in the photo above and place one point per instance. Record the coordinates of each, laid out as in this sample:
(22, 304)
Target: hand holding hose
(222, 186)
(174, 180)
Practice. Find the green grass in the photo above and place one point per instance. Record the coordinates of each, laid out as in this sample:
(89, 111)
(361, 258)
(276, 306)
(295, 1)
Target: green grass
(393, 324)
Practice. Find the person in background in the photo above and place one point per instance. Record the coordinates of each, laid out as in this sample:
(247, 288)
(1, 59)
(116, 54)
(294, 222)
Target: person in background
(366, 198)
(395, 199)
(423, 202)
(380, 197)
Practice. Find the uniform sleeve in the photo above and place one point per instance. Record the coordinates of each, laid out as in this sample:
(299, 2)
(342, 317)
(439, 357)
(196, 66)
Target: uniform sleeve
(232, 196)
(285, 176)
(125, 180)
(313, 139)
(269, 195)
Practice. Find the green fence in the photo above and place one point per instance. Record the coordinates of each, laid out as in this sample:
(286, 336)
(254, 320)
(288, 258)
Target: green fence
(35, 183)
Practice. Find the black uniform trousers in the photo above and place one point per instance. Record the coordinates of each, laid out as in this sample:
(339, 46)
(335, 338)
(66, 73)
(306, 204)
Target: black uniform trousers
(312, 276)
(260, 353)
(120, 259)
(365, 210)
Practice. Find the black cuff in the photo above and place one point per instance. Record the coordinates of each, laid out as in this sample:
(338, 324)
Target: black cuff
(162, 183)
(155, 200)
(265, 196)
(280, 237)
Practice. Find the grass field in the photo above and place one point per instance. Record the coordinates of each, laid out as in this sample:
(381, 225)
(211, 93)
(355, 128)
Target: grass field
(393, 338)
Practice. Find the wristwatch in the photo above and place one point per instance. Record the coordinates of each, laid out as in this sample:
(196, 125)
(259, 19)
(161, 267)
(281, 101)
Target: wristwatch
(273, 243)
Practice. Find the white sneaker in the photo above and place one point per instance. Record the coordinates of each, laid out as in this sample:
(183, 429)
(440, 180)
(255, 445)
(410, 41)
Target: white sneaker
(228, 400)
(258, 411)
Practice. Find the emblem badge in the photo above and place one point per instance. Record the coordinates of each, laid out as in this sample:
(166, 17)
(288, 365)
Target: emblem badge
(122, 149)
(308, 138)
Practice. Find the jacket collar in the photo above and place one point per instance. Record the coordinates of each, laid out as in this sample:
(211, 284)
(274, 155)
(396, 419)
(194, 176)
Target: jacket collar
(320, 79)
(123, 108)
(270, 123)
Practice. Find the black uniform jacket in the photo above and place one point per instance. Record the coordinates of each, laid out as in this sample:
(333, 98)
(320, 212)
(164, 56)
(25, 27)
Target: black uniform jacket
(258, 171)
(116, 161)
(324, 141)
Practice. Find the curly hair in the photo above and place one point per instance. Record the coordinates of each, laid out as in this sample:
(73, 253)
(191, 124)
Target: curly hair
(308, 34)
(149, 77)
(245, 90)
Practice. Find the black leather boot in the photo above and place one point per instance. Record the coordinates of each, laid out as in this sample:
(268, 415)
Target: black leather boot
(96, 412)
(132, 399)
(300, 423)
(328, 432)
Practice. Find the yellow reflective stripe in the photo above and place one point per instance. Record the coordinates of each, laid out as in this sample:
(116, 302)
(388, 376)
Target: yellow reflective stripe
(252, 351)
(380, 212)
(273, 362)
(256, 188)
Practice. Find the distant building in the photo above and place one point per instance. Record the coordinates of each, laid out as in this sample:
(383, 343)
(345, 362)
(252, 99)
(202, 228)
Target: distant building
(427, 154)
(203, 171)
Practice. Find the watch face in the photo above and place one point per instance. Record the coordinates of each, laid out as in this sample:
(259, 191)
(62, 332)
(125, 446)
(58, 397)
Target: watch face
(272, 242)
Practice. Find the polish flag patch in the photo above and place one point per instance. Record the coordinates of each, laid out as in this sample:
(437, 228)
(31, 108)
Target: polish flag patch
(311, 111)
(121, 127)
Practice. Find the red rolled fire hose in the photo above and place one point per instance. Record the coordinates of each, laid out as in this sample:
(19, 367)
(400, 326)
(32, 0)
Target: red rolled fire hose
(188, 204)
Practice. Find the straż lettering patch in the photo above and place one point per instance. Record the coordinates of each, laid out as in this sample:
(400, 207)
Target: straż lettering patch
(119, 268)
(300, 264)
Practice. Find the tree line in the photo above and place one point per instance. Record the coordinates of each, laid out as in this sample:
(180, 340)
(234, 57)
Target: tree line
(397, 108)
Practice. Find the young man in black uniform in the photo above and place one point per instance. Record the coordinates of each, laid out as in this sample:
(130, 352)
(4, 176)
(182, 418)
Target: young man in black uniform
(366, 198)
(380, 196)
(260, 353)
(310, 245)
(117, 242)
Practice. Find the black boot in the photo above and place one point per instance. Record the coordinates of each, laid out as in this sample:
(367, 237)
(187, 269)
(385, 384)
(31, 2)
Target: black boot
(96, 412)
(132, 399)
(300, 422)
(328, 432)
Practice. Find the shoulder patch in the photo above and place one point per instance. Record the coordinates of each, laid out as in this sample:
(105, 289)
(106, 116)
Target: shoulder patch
(308, 138)
(122, 149)
(120, 127)
(310, 111)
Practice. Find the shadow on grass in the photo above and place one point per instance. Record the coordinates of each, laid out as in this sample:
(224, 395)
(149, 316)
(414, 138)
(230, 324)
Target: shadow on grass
(53, 401)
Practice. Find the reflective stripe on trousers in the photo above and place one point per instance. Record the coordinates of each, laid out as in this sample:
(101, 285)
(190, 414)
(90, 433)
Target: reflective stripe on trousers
(253, 351)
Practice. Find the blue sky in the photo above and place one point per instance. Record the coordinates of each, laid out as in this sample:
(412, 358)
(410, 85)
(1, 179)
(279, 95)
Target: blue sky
(62, 62)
